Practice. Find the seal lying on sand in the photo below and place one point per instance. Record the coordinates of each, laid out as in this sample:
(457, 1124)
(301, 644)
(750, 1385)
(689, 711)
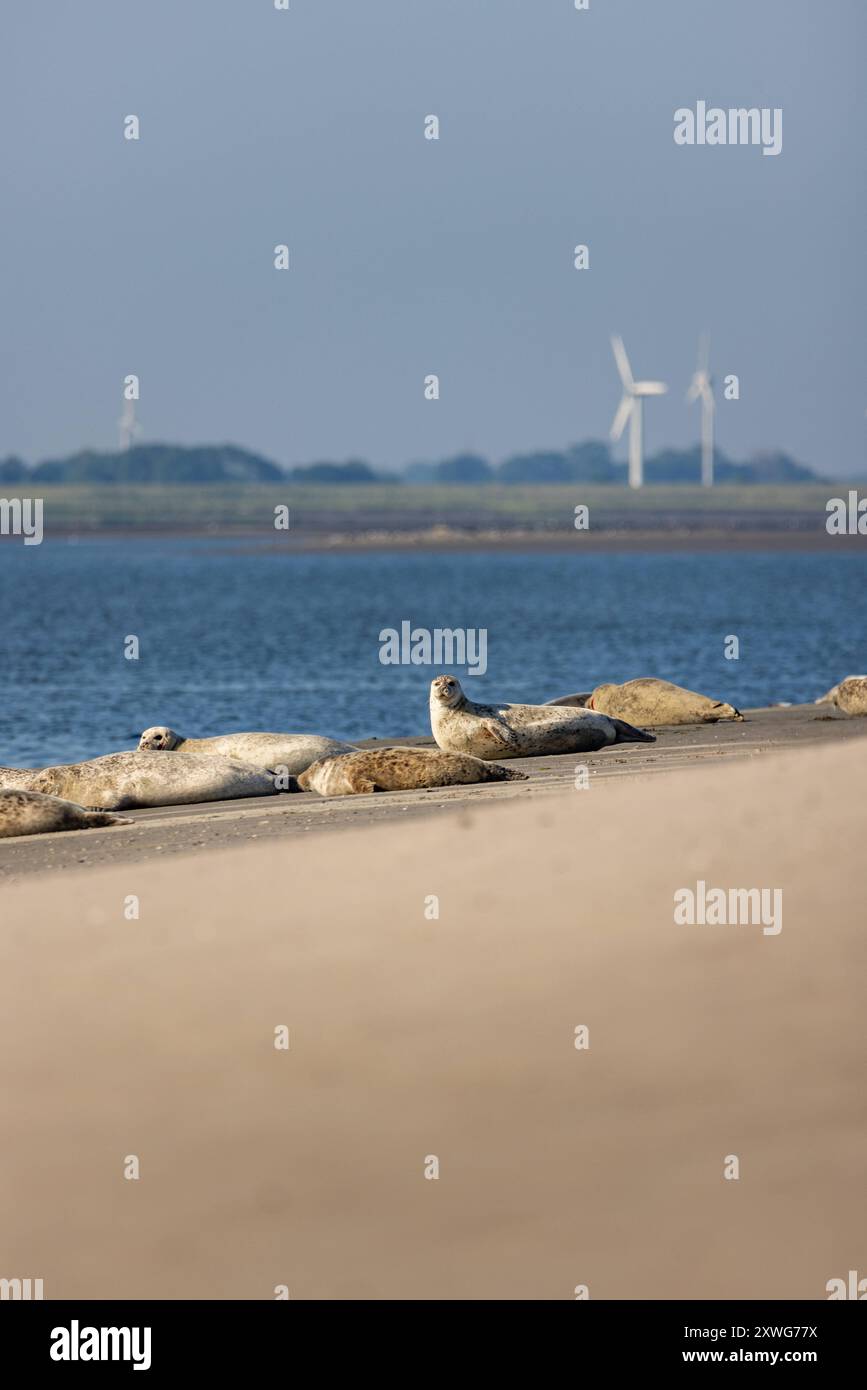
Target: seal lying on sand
(519, 731)
(33, 813)
(574, 701)
(850, 695)
(399, 770)
(292, 753)
(120, 781)
(652, 701)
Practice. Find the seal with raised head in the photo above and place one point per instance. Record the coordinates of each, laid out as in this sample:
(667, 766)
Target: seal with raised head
(292, 753)
(34, 813)
(121, 781)
(399, 770)
(653, 701)
(519, 731)
(850, 695)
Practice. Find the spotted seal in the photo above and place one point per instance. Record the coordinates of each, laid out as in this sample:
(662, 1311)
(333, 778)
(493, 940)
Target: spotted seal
(399, 770)
(850, 695)
(35, 813)
(519, 731)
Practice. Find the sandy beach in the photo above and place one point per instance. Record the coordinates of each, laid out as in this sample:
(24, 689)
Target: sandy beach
(171, 830)
(412, 1038)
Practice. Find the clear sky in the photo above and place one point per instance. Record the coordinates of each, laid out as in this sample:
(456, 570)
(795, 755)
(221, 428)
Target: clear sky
(410, 256)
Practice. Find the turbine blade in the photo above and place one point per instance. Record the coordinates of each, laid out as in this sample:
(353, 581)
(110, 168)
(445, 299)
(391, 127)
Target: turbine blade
(694, 390)
(622, 361)
(624, 410)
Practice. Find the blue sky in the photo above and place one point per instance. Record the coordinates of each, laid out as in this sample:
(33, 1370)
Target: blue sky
(409, 257)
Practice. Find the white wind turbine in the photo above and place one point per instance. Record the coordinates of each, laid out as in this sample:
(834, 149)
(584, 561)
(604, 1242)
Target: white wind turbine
(702, 386)
(128, 426)
(631, 408)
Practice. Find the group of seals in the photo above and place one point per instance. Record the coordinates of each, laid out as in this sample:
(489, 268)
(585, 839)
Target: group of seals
(519, 731)
(469, 737)
(850, 695)
(651, 701)
(34, 813)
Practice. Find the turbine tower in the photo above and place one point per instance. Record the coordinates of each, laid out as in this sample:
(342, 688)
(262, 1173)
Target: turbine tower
(128, 426)
(702, 386)
(631, 408)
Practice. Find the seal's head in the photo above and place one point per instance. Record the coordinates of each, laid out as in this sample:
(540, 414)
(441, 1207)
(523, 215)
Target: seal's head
(600, 693)
(160, 737)
(728, 712)
(445, 691)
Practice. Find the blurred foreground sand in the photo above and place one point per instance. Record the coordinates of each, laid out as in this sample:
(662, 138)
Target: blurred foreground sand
(452, 1038)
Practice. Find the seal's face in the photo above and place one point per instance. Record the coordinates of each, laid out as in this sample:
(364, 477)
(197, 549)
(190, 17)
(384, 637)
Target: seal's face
(159, 737)
(446, 691)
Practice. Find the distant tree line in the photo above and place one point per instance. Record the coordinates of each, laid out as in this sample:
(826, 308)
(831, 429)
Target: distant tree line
(590, 462)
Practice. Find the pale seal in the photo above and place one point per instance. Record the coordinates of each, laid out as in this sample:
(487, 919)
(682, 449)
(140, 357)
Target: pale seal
(519, 731)
(291, 753)
(652, 701)
(34, 813)
(120, 781)
(574, 701)
(399, 770)
(850, 695)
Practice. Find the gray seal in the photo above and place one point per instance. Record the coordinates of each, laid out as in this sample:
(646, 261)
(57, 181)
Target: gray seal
(519, 731)
(121, 781)
(399, 770)
(34, 813)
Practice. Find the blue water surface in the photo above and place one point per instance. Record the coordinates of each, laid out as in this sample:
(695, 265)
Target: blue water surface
(236, 636)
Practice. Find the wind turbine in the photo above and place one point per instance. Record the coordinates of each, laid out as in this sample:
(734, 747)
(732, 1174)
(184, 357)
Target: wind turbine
(631, 408)
(702, 386)
(128, 425)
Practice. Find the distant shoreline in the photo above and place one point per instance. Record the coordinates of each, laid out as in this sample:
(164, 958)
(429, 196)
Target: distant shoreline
(443, 539)
(457, 518)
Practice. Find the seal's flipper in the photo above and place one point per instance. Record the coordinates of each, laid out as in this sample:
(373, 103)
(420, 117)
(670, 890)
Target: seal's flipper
(626, 733)
(499, 733)
(364, 785)
(95, 818)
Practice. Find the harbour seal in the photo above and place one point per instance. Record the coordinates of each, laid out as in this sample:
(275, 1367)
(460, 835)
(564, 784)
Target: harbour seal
(850, 695)
(574, 701)
(120, 781)
(34, 813)
(292, 753)
(519, 731)
(652, 701)
(399, 770)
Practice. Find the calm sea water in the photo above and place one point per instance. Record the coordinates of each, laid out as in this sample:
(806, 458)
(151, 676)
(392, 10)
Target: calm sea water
(235, 638)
